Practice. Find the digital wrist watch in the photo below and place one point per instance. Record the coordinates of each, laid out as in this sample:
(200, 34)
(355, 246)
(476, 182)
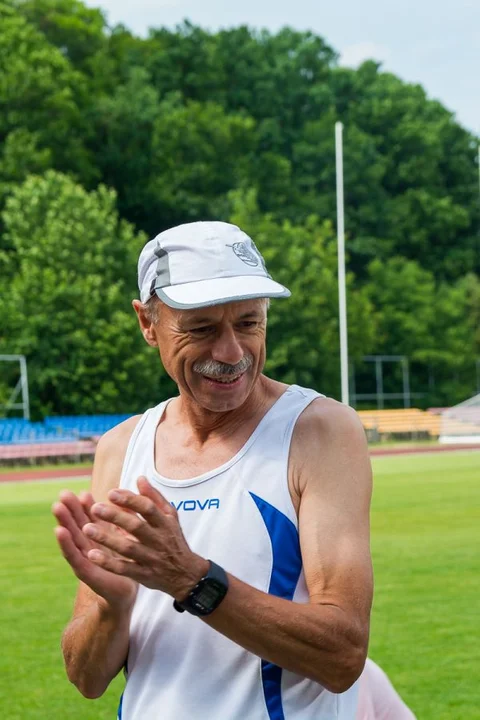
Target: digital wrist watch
(207, 594)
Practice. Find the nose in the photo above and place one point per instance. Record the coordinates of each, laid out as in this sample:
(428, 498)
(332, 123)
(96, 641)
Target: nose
(226, 347)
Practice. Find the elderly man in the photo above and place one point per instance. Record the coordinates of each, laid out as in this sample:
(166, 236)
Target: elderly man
(223, 552)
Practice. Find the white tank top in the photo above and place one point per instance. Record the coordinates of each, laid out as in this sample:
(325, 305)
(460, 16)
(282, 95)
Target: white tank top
(241, 516)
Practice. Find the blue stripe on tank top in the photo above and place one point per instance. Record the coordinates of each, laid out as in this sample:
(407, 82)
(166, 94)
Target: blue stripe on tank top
(286, 568)
(119, 711)
(120, 704)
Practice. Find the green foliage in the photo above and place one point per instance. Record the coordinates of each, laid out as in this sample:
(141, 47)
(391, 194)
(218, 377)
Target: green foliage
(41, 93)
(21, 156)
(404, 295)
(122, 142)
(68, 282)
(429, 208)
(78, 31)
(435, 325)
(199, 154)
(188, 124)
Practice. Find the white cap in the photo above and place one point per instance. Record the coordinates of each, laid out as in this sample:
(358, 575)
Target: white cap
(204, 263)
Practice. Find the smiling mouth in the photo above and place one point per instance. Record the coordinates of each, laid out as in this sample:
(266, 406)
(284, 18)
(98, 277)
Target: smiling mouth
(224, 381)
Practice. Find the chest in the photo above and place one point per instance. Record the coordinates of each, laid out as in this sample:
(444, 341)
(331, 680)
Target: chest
(179, 458)
(180, 462)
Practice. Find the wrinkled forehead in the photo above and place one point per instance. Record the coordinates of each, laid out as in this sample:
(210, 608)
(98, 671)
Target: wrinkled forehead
(233, 311)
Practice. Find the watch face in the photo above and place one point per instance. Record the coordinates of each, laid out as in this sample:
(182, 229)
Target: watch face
(207, 596)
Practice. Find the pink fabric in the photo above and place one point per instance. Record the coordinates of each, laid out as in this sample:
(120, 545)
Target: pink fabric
(378, 699)
(31, 450)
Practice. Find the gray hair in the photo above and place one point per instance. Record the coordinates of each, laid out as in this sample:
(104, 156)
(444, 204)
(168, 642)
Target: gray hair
(152, 309)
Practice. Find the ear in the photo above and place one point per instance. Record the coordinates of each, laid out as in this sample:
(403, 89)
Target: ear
(146, 326)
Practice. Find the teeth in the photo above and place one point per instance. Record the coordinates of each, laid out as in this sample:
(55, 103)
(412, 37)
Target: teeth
(225, 381)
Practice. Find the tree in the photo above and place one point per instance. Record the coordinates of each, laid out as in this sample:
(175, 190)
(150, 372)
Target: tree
(75, 29)
(199, 154)
(429, 210)
(457, 341)
(434, 325)
(41, 94)
(403, 295)
(67, 283)
(122, 142)
(21, 156)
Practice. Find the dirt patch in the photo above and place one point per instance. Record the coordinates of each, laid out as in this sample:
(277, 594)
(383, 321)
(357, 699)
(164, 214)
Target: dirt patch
(419, 449)
(22, 475)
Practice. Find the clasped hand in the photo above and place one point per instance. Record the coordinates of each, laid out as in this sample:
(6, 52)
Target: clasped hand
(138, 536)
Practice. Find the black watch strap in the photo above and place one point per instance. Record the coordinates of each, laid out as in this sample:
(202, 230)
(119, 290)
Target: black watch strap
(207, 594)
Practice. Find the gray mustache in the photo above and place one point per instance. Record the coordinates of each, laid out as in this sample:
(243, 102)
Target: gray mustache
(213, 368)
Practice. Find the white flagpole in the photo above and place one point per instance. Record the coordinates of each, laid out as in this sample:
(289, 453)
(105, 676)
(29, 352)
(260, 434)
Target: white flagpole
(342, 295)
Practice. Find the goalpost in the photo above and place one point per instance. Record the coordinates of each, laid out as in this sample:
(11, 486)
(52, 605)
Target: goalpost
(20, 391)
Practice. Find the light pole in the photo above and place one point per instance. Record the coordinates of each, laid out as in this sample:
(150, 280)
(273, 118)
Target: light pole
(342, 294)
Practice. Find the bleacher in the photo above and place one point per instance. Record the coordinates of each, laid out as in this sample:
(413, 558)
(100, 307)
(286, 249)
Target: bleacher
(58, 429)
(411, 423)
(84, 426)
(17, 431)
(54, 437)
(408, 421)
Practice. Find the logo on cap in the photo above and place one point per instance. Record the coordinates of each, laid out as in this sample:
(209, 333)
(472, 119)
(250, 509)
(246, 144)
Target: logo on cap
(243, 252)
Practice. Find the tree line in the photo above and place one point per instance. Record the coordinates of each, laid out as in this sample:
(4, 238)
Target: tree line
(107, 139)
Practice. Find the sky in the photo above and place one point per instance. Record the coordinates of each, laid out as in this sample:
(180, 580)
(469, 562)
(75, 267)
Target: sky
(432, 42)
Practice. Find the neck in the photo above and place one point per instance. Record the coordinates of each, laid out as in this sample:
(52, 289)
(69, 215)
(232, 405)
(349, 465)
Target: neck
(206, 425)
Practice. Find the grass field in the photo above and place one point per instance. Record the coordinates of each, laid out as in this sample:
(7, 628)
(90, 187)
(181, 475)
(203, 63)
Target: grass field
(425, 543)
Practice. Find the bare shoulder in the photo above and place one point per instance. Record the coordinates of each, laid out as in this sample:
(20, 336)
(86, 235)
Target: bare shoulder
(328, 436)
(326, 418)
(109, 457)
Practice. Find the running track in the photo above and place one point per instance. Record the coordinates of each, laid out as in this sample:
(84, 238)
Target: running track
(19, 475)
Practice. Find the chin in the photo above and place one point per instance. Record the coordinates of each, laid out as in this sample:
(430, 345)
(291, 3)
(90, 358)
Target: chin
(220, 400)
(219, 404)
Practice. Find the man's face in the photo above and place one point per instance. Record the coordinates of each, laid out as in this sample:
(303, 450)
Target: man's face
(214, 354)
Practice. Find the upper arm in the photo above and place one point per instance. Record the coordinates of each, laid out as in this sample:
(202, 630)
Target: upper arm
(107, 470)
(109, 458)
(333, 479)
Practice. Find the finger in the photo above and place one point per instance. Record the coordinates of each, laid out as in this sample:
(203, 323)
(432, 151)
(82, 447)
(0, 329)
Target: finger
(138, 504)
(72, 502)
(125, 545)
(87, 571)
(70, 551)
(146, 489)
(126, 521)
(86, 500)
(116, 565)
(65, 519)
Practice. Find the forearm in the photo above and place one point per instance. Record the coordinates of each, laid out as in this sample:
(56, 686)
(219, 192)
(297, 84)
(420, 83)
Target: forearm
(95, 647)
(312, 640)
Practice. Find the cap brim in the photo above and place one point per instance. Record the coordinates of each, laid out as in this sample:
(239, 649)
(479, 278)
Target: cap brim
(205, 293)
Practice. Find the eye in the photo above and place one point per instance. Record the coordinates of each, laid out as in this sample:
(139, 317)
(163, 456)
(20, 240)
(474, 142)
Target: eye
(248, 324)
(203, 330)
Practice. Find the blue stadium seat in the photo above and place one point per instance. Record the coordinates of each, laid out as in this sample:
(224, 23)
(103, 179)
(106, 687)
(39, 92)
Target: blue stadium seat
(56, 429)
